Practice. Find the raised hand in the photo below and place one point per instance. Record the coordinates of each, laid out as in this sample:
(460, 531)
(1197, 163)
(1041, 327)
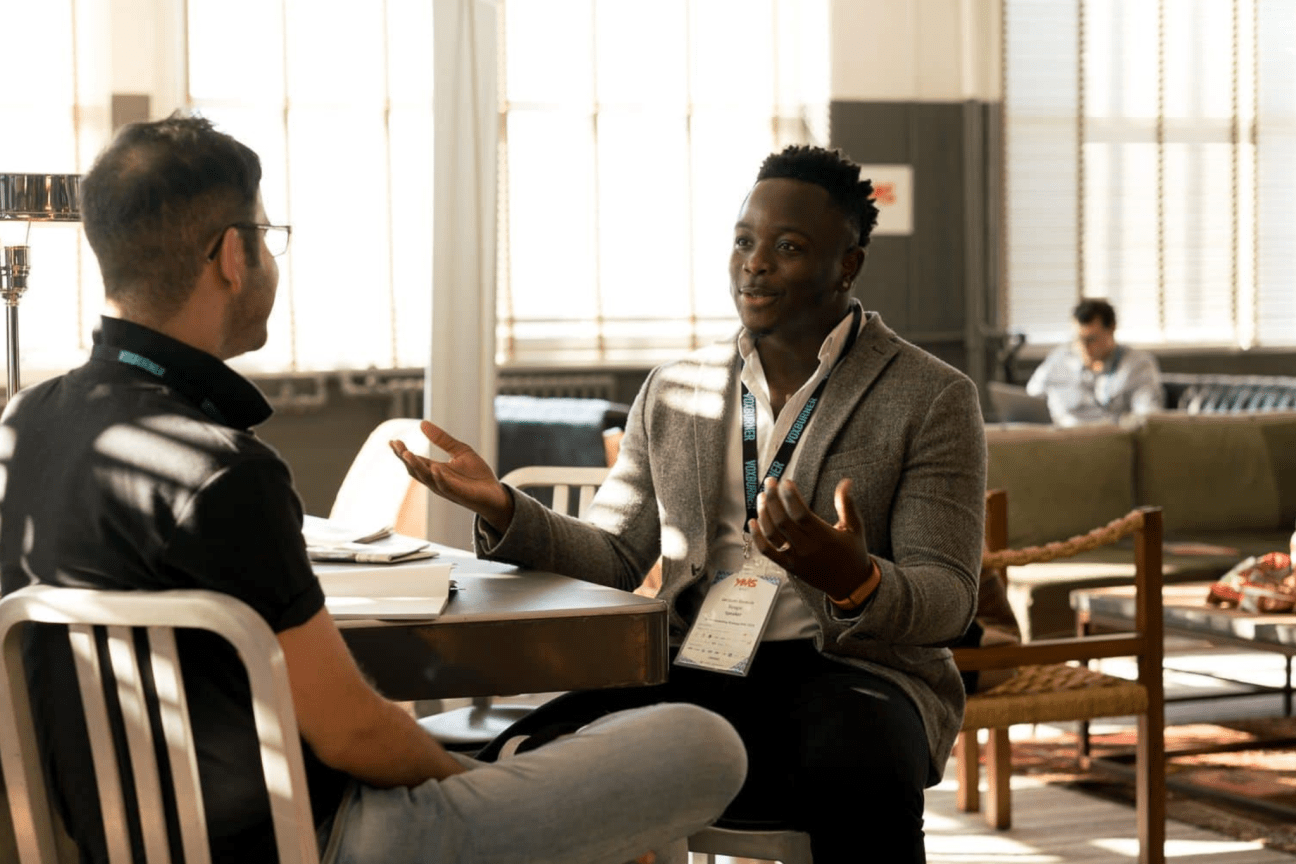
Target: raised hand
(464, 478)
(832, 558)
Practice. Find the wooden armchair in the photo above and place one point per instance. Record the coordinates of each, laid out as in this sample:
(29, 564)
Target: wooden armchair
(1053, 684)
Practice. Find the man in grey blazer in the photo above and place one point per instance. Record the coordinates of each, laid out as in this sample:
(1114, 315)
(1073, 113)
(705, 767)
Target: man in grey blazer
(868, 520)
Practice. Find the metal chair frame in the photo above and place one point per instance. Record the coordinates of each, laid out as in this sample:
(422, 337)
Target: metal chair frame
(159, 614)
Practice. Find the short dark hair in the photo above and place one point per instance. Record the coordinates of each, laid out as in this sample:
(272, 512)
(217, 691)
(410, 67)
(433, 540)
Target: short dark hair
(832, 170)
(1091, 308)
(153, 200)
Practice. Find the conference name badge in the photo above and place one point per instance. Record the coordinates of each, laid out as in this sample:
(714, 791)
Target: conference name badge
(728, 629)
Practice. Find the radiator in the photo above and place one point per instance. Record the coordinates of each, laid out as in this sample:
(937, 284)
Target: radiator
(578, 385)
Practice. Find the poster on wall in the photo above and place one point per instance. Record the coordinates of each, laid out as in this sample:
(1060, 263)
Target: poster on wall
(893, 195)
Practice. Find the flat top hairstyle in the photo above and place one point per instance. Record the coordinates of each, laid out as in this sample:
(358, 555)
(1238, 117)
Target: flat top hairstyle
(1092, 308)
(156, 198)
(835, 173)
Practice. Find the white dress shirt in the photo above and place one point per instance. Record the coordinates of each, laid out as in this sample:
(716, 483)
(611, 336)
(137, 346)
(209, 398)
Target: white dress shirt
(790, 619)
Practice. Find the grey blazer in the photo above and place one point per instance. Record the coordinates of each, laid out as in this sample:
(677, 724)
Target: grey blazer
(904, 425)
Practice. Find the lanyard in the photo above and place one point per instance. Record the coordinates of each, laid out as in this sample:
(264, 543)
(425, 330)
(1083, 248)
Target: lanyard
(751, 486)
(172, 379)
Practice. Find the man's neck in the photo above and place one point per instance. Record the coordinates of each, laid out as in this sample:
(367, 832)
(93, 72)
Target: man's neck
(186, 325)
(789, 360)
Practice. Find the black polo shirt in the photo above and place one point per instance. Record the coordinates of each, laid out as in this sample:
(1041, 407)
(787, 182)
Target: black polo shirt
(139, 470)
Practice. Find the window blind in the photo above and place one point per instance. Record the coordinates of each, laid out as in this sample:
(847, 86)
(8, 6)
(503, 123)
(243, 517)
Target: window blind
(1148, 160)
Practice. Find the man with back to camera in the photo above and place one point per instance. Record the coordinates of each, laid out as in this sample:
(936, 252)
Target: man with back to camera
(816, 476)
(139, 470)
(1093, 379)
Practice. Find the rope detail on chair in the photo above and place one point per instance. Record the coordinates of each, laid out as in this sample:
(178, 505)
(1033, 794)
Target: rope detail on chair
(1104, 536)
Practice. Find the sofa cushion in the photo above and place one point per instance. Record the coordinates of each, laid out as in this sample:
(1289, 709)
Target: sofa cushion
(1279, 431)
(1210, 473)
(1060, 482)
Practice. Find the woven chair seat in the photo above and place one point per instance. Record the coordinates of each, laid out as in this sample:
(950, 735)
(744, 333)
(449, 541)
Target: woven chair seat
(1059, 691)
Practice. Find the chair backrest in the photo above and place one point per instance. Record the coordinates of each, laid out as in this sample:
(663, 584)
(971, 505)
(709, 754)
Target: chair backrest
(377, 488)
(158, 613)
(562, 479)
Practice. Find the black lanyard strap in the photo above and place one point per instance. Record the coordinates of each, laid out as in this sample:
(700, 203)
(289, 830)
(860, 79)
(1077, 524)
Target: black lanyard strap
(751, 470)
(182, 385)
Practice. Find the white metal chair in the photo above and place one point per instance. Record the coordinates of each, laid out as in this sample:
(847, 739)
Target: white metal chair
(476, 725)
(790, 847)
(159, 613)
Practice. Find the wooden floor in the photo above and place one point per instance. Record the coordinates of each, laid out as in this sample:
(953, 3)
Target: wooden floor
(1058, 826)
(1052, 825)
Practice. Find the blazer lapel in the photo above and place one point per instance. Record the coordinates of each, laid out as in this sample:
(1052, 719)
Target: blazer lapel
(872, 353)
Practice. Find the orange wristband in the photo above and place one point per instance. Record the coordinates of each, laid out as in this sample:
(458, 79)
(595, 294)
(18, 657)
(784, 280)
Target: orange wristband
(861, 593)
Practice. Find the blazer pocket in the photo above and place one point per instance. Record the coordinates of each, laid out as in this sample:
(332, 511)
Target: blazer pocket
(847, 459)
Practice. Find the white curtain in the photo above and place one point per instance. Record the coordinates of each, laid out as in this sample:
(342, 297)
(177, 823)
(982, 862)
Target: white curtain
(460, 381)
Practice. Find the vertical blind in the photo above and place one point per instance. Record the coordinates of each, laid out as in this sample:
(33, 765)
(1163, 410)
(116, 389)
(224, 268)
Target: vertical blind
(629, 134)
(1149, 149)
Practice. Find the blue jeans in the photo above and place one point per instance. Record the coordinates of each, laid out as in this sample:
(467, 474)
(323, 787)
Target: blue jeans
(625, 784)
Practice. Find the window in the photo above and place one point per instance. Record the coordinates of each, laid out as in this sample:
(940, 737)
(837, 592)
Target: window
(336, 98)
(1149, 150)
(629, 134)
(54, 123)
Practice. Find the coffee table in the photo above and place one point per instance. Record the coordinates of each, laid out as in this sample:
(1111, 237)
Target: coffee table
(1186, 613)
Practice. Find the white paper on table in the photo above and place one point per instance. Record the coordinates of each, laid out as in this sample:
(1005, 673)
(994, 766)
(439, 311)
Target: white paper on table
(407, 591)
(326, 532)
(331, 541)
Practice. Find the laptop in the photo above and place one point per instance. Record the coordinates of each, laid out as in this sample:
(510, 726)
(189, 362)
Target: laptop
(1012, 404)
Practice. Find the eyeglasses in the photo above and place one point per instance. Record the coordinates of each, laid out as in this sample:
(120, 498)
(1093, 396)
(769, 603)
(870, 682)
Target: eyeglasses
(276, 237)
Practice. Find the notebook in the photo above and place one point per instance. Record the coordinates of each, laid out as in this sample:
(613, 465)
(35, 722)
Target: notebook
(416, 590)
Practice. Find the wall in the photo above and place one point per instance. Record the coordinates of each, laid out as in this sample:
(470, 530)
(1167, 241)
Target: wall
(917, 84)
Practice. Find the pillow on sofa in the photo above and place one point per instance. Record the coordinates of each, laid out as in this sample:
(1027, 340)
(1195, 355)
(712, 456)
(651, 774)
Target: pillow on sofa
(1207, 473)
(1060, 482)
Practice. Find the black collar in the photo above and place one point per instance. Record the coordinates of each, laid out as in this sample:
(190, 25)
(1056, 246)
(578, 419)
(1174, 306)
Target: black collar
(213, 387)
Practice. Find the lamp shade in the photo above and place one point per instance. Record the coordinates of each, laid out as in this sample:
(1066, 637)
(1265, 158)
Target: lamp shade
(40, 197)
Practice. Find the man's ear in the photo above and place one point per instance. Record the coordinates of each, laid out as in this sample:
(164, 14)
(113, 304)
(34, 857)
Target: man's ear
(232, 258)
(853, 264)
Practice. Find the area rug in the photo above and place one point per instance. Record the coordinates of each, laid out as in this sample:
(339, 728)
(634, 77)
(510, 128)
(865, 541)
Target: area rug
(1260, 773)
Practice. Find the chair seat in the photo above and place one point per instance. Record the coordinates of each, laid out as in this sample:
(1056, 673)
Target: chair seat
(790, 847)
(1044, 694)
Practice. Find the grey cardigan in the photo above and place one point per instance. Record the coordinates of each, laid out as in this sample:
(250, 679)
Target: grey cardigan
(904, 425)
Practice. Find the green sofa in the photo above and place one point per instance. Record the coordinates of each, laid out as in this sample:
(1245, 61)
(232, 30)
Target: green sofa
(1225, 480)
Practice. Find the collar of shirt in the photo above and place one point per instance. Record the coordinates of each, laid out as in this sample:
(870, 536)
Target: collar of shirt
(239, 401)
(1110, 364)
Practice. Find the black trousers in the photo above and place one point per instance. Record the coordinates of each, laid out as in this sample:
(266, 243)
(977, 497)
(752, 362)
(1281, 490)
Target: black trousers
(832, 750)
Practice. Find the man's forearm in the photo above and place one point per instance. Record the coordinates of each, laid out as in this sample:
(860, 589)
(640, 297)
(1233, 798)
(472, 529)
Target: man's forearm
(392, 750)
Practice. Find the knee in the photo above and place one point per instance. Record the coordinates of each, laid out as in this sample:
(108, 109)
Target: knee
(700, 744)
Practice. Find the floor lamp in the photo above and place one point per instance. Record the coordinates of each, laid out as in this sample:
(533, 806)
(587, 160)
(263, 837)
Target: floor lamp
(29, 198)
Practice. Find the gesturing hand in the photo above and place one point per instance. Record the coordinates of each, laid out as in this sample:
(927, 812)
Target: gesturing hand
(832, 558)
(464, 478)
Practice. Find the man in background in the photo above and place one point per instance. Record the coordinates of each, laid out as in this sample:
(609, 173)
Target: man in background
(1093, 379)
(140, 471)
